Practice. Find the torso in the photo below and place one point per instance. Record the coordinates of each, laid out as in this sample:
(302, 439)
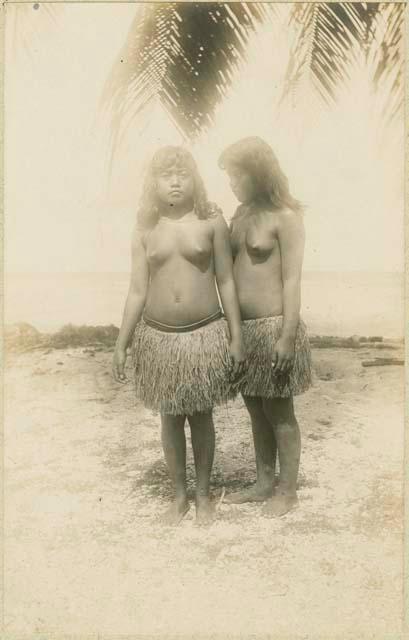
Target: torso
(257, 264)
(182, 287)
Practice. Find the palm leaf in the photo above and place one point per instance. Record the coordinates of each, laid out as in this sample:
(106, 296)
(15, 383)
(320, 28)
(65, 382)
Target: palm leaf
(184, 55)
(325, 33)
(385, 57)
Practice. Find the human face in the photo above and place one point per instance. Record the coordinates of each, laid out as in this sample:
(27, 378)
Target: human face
(175, 187)
(242, 184)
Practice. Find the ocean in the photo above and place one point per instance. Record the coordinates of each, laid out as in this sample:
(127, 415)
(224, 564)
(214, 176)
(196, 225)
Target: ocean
(333, 303)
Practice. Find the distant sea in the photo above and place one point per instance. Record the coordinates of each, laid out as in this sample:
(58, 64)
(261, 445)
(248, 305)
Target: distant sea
(333, 303)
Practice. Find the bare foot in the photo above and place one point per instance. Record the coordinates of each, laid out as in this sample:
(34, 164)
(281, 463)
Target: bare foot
(252, 494)
(279, 505)
(175, 513)
(205, 510)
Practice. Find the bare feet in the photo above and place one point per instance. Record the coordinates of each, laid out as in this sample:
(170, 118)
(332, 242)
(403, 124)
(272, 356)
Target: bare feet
(280, 504)
(256, 493)
(176, 512)
(205, 510)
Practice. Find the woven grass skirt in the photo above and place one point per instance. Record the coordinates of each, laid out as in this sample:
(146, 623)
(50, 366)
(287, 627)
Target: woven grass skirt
(260, 336)
(182, 372)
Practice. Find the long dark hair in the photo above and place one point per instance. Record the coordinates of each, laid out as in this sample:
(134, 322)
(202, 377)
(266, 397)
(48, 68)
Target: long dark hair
(148, 212)
(257, 158)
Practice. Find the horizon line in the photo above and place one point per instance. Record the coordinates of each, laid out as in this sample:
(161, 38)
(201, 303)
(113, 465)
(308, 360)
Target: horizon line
(116, 272)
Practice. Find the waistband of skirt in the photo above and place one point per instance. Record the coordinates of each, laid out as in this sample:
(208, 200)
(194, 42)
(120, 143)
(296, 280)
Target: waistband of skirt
(168, 328)
(263, 318)
(273, 319)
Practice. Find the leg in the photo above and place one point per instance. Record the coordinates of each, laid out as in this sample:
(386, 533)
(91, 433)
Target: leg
(174, 448)
(203, 439)
(280, 412)
(265, 450)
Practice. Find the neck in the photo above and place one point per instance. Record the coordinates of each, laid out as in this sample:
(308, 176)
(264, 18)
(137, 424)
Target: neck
(176, 212)
(259, 203)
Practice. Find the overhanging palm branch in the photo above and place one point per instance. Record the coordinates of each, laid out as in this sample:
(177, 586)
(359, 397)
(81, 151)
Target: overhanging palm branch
(385, 56)
(185, 56)
(329, 37)
(325, 33)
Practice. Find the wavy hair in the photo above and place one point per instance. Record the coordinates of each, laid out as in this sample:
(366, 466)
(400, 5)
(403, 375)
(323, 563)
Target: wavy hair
(166, 157)
(256, 157)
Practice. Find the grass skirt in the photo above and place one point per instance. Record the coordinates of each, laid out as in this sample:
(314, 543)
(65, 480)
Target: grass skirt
(182, 373)
(260, 336)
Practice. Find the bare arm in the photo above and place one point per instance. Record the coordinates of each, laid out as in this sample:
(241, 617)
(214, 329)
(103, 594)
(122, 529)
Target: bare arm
(223, 263)
(225, 282)
(134, 305)
(291, 237)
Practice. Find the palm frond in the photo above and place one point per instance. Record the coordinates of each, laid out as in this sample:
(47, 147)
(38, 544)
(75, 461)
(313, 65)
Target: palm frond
(184, 55)
(325, 33)
(385, 57)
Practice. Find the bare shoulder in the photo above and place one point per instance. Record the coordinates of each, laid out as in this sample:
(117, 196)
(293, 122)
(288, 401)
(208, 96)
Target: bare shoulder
(214, 211)
(138, 238)
(216, 218)
(287, 218)
(289, 214)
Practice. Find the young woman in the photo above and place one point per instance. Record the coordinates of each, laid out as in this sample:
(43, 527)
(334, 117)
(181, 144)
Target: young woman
(183, 351)
(267, 238)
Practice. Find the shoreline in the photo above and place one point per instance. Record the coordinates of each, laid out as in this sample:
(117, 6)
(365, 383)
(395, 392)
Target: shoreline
(336, 304)
(22, 336)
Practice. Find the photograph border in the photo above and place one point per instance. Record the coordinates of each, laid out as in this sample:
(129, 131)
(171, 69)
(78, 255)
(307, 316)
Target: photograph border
(405, 559)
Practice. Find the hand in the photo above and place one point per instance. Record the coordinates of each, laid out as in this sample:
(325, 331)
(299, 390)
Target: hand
(238, 359)
(118, 365)
(283, 358)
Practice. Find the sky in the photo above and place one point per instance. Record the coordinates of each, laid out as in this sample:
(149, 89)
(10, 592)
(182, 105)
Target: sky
(62, 215)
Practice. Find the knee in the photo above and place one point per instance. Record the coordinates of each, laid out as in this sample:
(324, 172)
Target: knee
(172, 423)
(281, 412)
(254, 407)
(286, 428)
(203, 421)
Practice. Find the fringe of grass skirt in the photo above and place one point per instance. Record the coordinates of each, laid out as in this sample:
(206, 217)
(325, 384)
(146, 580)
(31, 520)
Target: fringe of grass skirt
(182, 373)
(260, 336)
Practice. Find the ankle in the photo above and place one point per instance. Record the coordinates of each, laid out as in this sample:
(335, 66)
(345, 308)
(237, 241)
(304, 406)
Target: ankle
(180, 495)
(264, 484)
(202, 496)
(285, 491)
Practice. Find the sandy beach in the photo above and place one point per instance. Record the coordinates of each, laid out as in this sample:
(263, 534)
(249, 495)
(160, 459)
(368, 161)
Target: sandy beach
(86, 481)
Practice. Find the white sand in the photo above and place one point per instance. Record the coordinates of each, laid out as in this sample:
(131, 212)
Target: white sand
(85, 480)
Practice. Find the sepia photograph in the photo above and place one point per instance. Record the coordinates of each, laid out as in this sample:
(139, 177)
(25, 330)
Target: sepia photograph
(204, 360)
